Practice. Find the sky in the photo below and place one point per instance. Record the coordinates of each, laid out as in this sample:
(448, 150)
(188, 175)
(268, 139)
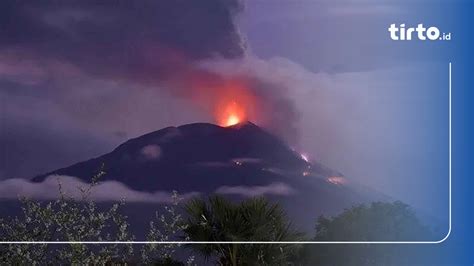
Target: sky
(374, 109)
(77, 80)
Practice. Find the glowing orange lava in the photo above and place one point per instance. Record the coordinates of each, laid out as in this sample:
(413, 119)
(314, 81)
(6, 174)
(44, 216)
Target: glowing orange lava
(231, 115)
(232, 120)
(235, 104)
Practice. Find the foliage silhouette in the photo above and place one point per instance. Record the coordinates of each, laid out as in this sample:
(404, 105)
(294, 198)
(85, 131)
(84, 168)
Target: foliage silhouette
(218, 219)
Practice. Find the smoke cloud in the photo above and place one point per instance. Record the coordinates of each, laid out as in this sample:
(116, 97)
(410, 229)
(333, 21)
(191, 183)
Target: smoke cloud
(49, 189)
(104, 191)
(70, 68)
(279, 189)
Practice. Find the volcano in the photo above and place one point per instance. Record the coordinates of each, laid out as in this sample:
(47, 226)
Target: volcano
(238, 161)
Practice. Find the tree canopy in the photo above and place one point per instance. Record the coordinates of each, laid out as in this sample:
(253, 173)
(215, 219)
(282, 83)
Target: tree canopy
(218, 219)
(379, 221)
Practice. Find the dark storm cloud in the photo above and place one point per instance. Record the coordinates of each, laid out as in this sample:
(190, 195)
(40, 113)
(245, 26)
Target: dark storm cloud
(122, 38)
(52, 53)
(82, 66)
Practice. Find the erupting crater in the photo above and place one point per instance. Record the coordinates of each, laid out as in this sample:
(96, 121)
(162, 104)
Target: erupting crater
(234, 104)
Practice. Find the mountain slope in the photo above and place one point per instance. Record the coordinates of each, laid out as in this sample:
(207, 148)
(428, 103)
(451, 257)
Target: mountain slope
(168, 158)
(239, 161)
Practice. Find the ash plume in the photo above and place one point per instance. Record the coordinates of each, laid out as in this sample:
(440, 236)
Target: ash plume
(84, 61)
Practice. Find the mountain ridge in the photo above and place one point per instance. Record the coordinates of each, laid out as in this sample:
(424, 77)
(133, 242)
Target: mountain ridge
(239, 161)
(186, 146)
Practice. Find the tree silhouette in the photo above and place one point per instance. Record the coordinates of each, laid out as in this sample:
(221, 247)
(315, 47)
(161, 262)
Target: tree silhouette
(376, 222)
(255, 219)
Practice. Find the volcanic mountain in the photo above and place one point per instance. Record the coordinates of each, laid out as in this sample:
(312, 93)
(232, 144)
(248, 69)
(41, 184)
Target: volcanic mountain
(240, 161)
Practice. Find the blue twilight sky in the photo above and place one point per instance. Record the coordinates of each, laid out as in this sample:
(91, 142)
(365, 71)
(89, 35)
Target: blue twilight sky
(375, 109)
